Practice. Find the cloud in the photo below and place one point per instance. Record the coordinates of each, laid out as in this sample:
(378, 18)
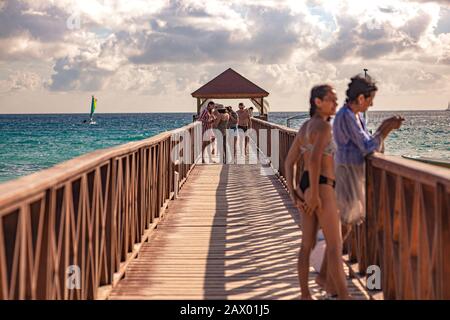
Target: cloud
(345, 40)
(443, 25)
(445, 59)
(158, 48)
(17, 18)
(441, 2)
(389, 34)
(372, 51)
(415, 28)
(21, 80)
(373, 31)
(387, 9)
(174, 38)
(78, 74)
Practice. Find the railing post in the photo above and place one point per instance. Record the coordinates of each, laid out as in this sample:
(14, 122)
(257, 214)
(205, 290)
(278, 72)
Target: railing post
(176, 183)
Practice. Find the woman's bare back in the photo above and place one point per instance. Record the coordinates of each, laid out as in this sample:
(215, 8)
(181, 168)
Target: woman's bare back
(309, 134)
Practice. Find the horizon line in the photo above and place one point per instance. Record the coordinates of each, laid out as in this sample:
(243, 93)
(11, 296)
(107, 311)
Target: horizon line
(194, 112)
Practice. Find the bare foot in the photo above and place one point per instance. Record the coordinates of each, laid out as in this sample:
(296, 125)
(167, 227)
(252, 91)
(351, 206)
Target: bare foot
(322, 283)
(306, 297)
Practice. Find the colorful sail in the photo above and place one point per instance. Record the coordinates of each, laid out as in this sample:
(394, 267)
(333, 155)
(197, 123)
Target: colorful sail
(93, 106)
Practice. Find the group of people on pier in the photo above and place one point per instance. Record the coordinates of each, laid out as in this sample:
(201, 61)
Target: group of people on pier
(324, 170)
(325, 174)
(220, 118)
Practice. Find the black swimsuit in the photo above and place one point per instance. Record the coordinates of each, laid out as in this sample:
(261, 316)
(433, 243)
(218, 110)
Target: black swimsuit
(304, 181)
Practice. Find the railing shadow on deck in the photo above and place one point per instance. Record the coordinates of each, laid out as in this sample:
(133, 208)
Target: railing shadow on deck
(407, 228)
(257, 267)
(69, 232)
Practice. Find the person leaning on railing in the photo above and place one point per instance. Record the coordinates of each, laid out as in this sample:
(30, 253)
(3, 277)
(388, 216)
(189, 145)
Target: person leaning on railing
(354, 143)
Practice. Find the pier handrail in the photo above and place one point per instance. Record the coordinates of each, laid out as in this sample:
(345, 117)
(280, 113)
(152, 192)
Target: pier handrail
(69, 232)
(288, 120)
(407, 227)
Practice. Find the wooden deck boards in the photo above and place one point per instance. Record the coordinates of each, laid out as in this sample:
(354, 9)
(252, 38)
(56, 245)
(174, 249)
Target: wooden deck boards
(233, 233)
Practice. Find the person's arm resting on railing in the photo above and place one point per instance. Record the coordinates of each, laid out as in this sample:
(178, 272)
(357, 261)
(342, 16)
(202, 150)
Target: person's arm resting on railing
(362, 139)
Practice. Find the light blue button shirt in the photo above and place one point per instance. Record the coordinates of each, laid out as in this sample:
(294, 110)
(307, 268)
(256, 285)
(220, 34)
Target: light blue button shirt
(353, 141)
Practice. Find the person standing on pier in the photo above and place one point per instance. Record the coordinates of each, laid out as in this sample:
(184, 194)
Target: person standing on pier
(354, 143)
(222, 124)
(311, 157)
(232, 125)
(207, 119)
(244, 123)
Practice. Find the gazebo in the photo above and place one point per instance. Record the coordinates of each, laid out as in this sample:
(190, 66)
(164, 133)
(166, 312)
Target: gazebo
(232, 85)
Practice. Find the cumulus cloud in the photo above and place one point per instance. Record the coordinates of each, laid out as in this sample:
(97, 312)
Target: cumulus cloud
(175, 38)
(17, 18)
(443, 25)
(416, 27)
(21, 81)
(344, 42)
(163, 47)
(81, 73)
(441, 2)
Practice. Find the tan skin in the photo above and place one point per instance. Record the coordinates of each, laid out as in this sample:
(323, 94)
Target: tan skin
(234, 120)
(244, 120)
(210, 108)
(361, 104)
(221, 117)
(319, 205)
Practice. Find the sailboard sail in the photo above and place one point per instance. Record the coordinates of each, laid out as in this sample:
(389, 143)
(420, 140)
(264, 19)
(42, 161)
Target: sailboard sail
(93, 107)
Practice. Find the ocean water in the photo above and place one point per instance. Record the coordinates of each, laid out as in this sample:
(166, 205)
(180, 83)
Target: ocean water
(29, 143)
(423, 133)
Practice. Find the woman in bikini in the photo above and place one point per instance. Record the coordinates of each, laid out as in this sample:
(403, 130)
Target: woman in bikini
(314, 194)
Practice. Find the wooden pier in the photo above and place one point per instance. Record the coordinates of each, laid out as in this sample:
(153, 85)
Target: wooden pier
(141, 226)
(232, 234)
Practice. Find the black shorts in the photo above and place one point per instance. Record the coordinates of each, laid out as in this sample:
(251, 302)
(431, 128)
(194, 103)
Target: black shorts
(244, 128)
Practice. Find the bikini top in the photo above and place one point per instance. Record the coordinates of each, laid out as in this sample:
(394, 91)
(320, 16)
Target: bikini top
(329, 150)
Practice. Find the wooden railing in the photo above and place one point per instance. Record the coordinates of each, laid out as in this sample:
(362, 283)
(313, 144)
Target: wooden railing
(407, 232)
(285, 138)
(87, 217)
(407, 228)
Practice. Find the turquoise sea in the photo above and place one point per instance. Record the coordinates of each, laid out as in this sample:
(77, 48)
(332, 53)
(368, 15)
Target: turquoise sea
(424, 133)
(29, 143)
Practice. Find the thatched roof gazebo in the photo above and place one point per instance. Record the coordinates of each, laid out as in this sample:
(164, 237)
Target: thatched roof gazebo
(232, 85)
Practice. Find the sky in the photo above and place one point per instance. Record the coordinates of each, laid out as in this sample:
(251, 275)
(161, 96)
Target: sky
(149, 56)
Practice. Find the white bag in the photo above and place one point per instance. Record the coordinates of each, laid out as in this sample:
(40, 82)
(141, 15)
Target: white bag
(317, 254)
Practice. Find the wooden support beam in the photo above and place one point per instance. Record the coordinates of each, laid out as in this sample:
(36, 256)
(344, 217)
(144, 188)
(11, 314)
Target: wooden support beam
(262, 106)
(256, 102)
(199, 103)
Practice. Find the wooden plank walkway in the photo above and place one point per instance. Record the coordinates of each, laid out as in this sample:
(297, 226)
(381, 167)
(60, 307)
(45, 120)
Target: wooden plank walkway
(233, 233)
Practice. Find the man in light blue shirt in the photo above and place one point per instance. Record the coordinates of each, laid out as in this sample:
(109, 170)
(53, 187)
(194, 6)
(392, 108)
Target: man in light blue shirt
(354, 143)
